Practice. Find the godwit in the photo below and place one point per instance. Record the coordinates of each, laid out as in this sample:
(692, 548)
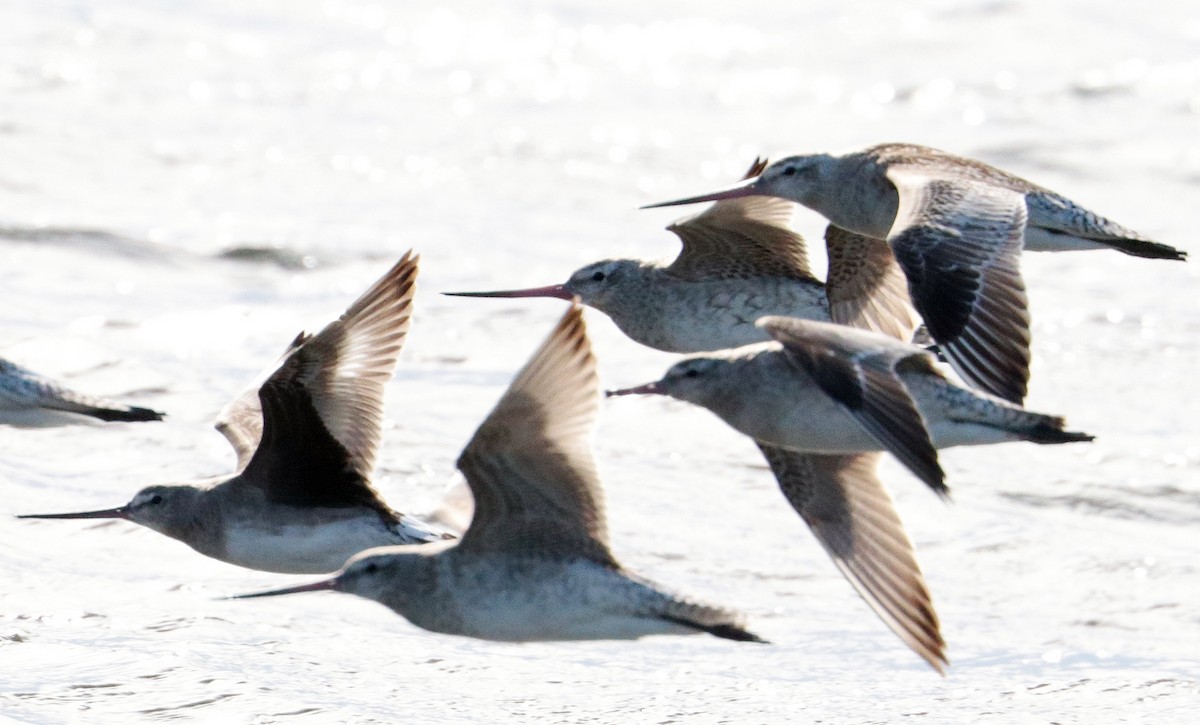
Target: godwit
(306, 439)
(823, 388)
(740, 260)
(29, 399)
(956, 227)
(534, 563)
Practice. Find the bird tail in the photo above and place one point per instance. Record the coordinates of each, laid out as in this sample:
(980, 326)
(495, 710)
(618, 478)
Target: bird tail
(35, 391)
(118, 412)
(1049, 429)
(1144, 248)
(724, 630)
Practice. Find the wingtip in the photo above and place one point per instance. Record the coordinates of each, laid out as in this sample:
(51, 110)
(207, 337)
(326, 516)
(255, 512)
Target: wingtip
(770, 323)
(408, 264)
(943, 492)
(405, 269)
(938, 661)
(756, 168)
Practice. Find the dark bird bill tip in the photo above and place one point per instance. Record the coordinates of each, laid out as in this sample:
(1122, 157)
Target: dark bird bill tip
(323, 585)
(647, 389)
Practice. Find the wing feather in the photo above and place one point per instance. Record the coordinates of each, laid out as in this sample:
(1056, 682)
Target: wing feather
(865, 285)
(530, 464)
(741, 238)
(842, 500)
(858, 369)
(322, 406)
(958, 242)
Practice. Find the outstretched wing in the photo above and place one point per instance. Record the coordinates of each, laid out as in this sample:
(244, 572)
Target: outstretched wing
(866, 287)
(240, 421)
(842, 500)
(530, 464)
(858, 369)
(958, 242)
(741, 238)
(322, 408)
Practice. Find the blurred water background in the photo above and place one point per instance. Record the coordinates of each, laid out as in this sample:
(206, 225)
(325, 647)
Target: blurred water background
(184, 186)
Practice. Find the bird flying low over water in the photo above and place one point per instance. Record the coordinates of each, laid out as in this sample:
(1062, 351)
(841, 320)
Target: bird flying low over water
(306, 439)
(535, 563)
(821, 401)
(956, 227)
(29, 399)
(823, 388)
(740, 260)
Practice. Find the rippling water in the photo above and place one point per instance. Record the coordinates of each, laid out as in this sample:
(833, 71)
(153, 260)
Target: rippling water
(184, 186)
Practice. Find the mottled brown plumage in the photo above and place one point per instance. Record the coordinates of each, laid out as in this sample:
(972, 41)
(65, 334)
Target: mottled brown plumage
(741, 239)
(865, 285)
(740, 259)
(956, 227)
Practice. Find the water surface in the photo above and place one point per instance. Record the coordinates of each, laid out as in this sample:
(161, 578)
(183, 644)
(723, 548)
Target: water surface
(184, 187)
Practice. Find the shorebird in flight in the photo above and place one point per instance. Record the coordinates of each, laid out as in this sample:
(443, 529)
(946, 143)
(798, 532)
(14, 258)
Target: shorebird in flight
(823, 388)
(740, 260)
(956, 227)
(306, 439)
(821, 401)
(29, 399)
(535, 563)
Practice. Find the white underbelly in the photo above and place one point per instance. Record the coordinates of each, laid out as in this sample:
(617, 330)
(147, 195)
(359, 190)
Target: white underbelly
(547, 602)
(947, 434)
(1042, 240)
(802, 418)
(817, 424)
(303, 549)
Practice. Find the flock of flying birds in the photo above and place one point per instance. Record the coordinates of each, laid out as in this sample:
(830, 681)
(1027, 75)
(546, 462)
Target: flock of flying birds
(824, 376)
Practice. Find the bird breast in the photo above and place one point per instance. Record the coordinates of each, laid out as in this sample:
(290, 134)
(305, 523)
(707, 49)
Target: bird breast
(700, 316)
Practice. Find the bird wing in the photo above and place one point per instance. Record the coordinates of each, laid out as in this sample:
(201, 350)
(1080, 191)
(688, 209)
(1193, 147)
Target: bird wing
(530, 465)
(322, 407)
(859, 370)
(958, 242)
(865, 285)
(240, 421)
(741, 238)
(842, 500)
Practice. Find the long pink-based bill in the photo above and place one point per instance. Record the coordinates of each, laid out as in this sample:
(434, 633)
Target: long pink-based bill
(554, 290)
(323, 585)
(749, 187)
(647, 389)
(117, 513)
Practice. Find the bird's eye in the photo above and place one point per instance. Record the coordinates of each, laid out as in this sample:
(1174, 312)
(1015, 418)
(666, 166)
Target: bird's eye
(693, 373)
(155, 499)
(371, 568)
(788, 171)
(597, 276)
